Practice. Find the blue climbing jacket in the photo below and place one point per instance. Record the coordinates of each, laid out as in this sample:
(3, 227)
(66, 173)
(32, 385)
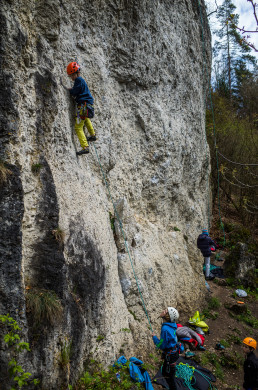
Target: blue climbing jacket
(81, 91)
(168, 338)
(137, 372)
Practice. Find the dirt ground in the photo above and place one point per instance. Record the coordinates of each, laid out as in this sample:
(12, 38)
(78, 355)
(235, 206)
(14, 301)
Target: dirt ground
(225, 327)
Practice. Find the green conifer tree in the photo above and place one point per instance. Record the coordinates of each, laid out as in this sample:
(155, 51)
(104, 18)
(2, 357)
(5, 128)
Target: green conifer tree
(230, 51)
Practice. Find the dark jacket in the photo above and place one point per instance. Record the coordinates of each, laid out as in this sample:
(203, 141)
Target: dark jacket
(204, 243)
(81, 91)
(251, 372)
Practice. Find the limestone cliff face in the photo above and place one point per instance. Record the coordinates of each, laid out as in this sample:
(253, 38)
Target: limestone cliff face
(143, 62)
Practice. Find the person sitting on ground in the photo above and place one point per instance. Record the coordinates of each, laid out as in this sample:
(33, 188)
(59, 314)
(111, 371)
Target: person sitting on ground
(205, 243)
(250, 364)
(169, 345)
(85, 110)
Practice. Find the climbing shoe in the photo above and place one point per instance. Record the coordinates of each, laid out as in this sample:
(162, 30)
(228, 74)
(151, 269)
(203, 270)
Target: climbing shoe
(189, 354)
(201, 348)
(83, 151)
(92, 138)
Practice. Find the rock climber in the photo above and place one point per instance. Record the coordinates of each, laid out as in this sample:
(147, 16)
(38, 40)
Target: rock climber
(250, 364)
(169, 345)
(85, 109)
(206, 245)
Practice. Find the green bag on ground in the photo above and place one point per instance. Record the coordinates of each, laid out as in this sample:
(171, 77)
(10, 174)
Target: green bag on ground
(196, 320)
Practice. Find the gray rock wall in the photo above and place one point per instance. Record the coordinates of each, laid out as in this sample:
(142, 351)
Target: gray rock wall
(143, 62)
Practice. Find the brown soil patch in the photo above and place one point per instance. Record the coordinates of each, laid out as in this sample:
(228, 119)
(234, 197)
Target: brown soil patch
(225, 327)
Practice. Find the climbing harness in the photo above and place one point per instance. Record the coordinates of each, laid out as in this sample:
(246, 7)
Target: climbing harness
(126, 246)
(84, 111)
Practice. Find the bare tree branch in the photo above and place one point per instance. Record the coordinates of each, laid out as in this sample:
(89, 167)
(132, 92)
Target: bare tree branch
(254, 8)
(215, 9)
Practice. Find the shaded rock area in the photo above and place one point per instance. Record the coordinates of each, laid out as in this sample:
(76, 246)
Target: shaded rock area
(241, 265)
(144, 64)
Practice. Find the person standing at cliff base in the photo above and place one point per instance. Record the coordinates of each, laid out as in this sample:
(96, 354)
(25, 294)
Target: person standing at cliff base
(169, 345)
(205, 244)
(85, 110)
(250, 364)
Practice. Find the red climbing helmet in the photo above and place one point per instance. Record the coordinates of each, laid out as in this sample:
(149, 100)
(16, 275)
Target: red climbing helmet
(73, 67)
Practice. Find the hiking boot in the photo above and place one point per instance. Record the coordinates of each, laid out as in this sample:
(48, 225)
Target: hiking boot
(92, 138)
(219, 346)
(83, 151)
(189, 354)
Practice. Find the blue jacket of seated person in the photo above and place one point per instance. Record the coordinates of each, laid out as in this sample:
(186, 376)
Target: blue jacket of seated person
(168, 339)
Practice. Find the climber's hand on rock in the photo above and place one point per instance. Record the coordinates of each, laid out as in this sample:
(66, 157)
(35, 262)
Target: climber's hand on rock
(61, 81)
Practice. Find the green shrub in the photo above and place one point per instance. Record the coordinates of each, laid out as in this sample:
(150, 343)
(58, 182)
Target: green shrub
(213, 303)
(66, 353)
(35, 168)
(134, 316)
(99, 379)
(232, 338)
(112, 221)
(17, 375)
(209, 314)
(100, 338)
(224, 343)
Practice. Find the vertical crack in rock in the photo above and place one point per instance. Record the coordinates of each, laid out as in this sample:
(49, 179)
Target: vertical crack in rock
(11, 290)
(87, 281)
(49, 262)
(86, 271)
(46, 110)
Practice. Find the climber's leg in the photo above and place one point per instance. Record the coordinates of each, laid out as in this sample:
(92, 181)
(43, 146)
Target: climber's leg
(80, 133)
(207, 266)
(89, 126)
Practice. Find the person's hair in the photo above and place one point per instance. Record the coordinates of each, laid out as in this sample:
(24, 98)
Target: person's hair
(166, 318)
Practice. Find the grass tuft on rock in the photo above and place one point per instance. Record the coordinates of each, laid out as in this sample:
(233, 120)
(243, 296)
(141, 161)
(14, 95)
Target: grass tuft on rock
(4, 173)
(44, 306)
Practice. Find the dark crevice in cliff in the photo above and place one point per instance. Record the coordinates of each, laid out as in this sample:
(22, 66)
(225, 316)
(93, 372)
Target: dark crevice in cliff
(11, 211)
(49, 262)
(11, 290)
(47, 108)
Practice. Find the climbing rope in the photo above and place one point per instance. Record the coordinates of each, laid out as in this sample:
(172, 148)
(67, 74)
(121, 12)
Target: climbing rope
(234, 162)
(211, 386)
(186, 372)
(121, 227)
(213, 117)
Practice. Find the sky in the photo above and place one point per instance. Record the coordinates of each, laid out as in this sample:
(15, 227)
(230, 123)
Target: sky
(246, 18)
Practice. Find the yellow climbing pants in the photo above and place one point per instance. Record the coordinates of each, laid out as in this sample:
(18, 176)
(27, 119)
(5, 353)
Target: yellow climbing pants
(79, 124)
